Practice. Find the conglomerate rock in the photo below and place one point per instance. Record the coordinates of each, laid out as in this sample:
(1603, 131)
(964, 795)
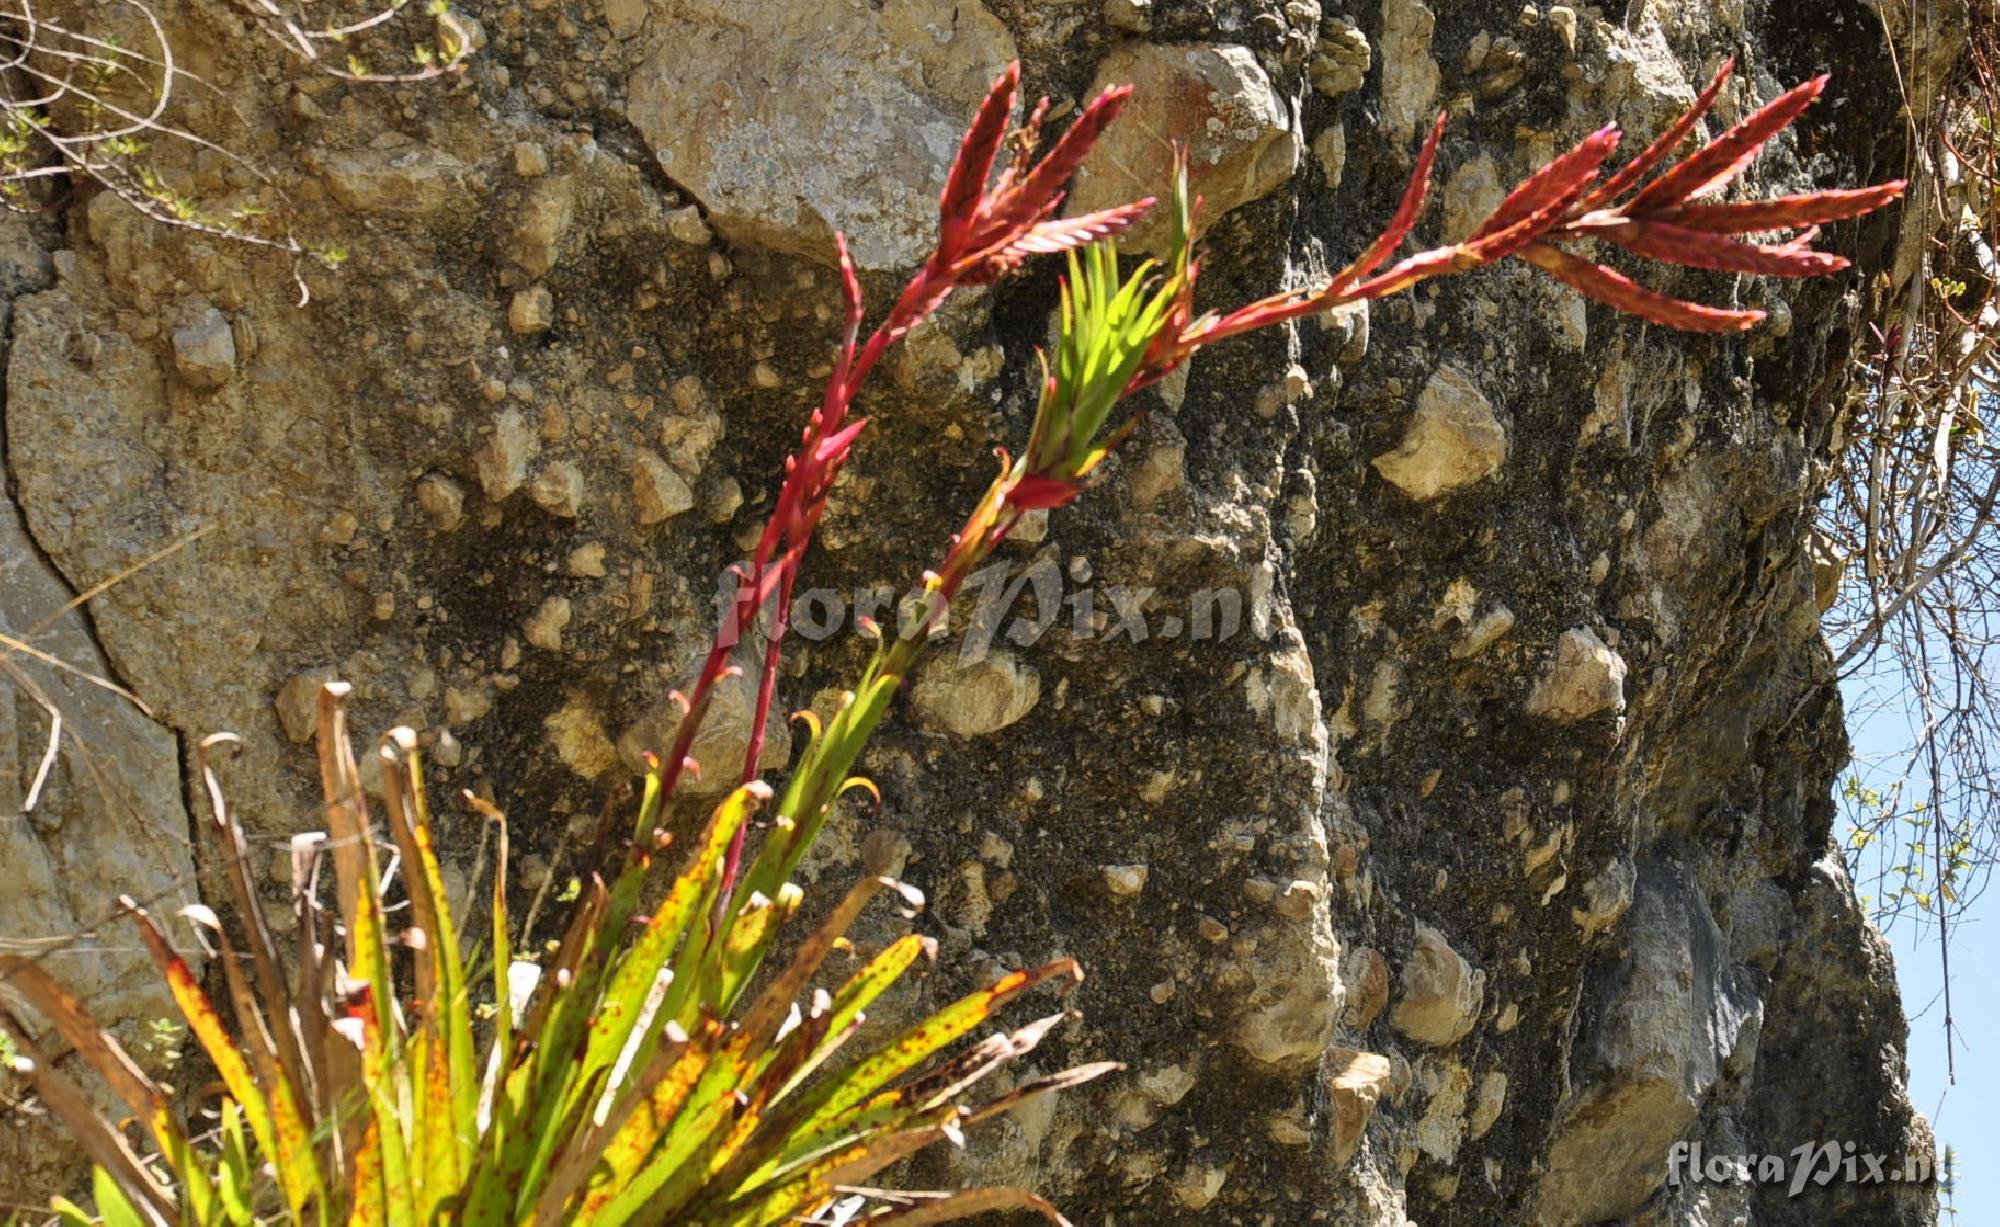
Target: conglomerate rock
(1415, 733)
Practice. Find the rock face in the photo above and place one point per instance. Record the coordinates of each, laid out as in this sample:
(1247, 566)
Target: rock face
(1645, 1066)
(1218, 102)
(205, 351)
(1413, 732)
(976, 698)
(792, 121)
(89, 808)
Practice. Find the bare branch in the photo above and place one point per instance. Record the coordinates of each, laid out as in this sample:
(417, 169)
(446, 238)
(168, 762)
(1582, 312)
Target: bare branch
(81, 103)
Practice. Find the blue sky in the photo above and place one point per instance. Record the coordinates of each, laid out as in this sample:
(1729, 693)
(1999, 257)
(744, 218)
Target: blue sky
(1966, 1115)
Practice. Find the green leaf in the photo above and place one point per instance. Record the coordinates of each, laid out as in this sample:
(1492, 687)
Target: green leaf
(233, 1183)
(114, 1209)
(834, 1098)
(275, 1122)
(69, 1214)
(1107, 325)
(860, 992)
(647, 1112)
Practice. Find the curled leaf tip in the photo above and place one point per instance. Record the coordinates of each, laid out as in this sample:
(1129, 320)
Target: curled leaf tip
(862, 784)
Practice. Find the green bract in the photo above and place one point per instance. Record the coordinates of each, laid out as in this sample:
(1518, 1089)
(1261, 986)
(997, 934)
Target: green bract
(1107, 326)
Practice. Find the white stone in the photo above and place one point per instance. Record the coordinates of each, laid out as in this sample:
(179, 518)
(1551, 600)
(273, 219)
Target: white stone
(789, 121)
(586, 560)
(686, 226)
(577, 733)
(624, 17)
(405, 181)
(1409, 74)
(1585, 678)
(544, 218)
(1490, 1098)
(1126, 880)
(544, 628)
(1355, 1081)
(660, 492)
(1341, 63)
(1563, 18)
(205, 350)
(1491, 627)
(558, 490)
(503, 461)
(1470, 196)
(1606, 897)
(1441, 992)
(1330, 149)
(297, 704)
(1441, 1129)
(976, 698)
(1237, 126)
(532, 311)
(443, 500)
(1454, 439)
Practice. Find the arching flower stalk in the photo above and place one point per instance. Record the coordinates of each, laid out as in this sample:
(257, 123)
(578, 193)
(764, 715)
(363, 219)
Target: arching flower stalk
(1119, 336)
(987, 226)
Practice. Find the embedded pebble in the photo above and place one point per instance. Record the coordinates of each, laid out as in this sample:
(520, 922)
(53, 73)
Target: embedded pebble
(544, 628)
(1126, 879)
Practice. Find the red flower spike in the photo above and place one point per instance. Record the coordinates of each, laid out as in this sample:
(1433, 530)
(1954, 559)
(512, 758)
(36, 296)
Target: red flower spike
(1024, 150)
(1423, 266)
(1800, 241)
(1694, 249)
(983, 231)
(1506, 242)
(1035, 492)
(1659, 224)
(833, 449)
(850, 290)
(1617, 290)
(1561, 180)
(1405, 220)
(1722, 159)
(966, 183)
(1062, 234)
(1045, 180)
(1628, 175)
(1786, 212)
(1176, 345)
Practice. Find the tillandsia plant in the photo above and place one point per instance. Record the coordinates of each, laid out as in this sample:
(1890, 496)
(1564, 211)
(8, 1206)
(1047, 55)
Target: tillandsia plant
(652, 1070)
